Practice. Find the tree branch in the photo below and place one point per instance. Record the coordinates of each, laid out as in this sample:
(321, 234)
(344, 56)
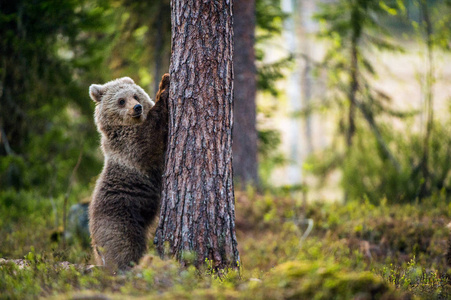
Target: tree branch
(369, 118)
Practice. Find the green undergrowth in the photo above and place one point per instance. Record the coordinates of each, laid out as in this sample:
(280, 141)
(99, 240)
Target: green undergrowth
(288, 250)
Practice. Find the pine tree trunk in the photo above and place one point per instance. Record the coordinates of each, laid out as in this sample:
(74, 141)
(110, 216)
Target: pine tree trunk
(197, 210)
(245, 86)
(429, 105)
(352, 94)
(158, 49)
(306, 27)
(293, 90)
(161, 55)
(354, 72)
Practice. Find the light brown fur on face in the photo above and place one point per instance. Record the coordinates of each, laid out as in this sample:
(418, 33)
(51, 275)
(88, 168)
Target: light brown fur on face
(110, 112)
(127, 194)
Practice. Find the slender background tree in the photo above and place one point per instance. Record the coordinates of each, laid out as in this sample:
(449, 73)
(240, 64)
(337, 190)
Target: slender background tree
(353, 25)
(376, 159)
(197, 210)
(245, 87)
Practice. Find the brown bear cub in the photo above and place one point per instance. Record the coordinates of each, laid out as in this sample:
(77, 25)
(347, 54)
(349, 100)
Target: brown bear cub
(126, 198)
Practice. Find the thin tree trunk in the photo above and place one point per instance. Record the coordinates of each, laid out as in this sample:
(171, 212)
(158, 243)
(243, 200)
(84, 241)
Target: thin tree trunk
(307, 25)
(352, 94)
(161, 24)
(294, 136)
(354, 71)
(353, 85)
(245, 86)
(425, 187)
(158, 50)
(197, 210)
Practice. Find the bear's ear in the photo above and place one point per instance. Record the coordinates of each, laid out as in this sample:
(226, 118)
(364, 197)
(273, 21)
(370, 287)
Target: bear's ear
(96, 91)
(127, 80)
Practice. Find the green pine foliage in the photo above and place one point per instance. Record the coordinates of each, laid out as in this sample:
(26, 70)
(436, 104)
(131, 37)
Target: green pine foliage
(376, 159)
(269, 23)
(368, 172)
(141, 44)
(49, 54)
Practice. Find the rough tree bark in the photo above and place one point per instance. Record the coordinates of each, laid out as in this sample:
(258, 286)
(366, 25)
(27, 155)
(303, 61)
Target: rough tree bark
(245, 86)
(197, 209)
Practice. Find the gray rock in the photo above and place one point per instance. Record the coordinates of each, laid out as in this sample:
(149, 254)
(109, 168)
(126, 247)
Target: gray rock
(78, 224)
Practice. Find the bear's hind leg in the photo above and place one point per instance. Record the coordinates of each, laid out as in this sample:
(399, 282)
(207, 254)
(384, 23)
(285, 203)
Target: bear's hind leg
(119, 246)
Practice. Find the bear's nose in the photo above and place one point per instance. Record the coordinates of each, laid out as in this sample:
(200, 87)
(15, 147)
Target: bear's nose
(138, 108)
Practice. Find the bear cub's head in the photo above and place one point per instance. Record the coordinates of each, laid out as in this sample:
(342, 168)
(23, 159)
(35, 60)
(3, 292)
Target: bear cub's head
(120, 103)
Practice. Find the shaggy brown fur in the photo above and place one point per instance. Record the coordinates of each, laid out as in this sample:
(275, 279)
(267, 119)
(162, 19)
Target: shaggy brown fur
(127, 194)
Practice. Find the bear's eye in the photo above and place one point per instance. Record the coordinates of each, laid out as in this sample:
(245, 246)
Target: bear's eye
(136, 97)
(121, 102)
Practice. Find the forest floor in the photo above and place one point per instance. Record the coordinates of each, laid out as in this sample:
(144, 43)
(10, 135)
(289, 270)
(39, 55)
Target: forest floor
(353, 251)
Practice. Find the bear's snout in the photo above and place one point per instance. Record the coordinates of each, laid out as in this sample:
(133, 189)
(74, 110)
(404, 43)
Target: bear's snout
(138, 108)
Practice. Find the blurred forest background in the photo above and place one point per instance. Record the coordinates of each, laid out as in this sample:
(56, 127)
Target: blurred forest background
(353, 116)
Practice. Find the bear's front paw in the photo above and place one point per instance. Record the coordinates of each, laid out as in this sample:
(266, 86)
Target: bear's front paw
(163, 91)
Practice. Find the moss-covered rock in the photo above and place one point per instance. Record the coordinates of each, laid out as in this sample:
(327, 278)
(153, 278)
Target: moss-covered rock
(322, 280)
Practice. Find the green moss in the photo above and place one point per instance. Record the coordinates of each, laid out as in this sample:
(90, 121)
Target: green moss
(355, 250)
(322, 280)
